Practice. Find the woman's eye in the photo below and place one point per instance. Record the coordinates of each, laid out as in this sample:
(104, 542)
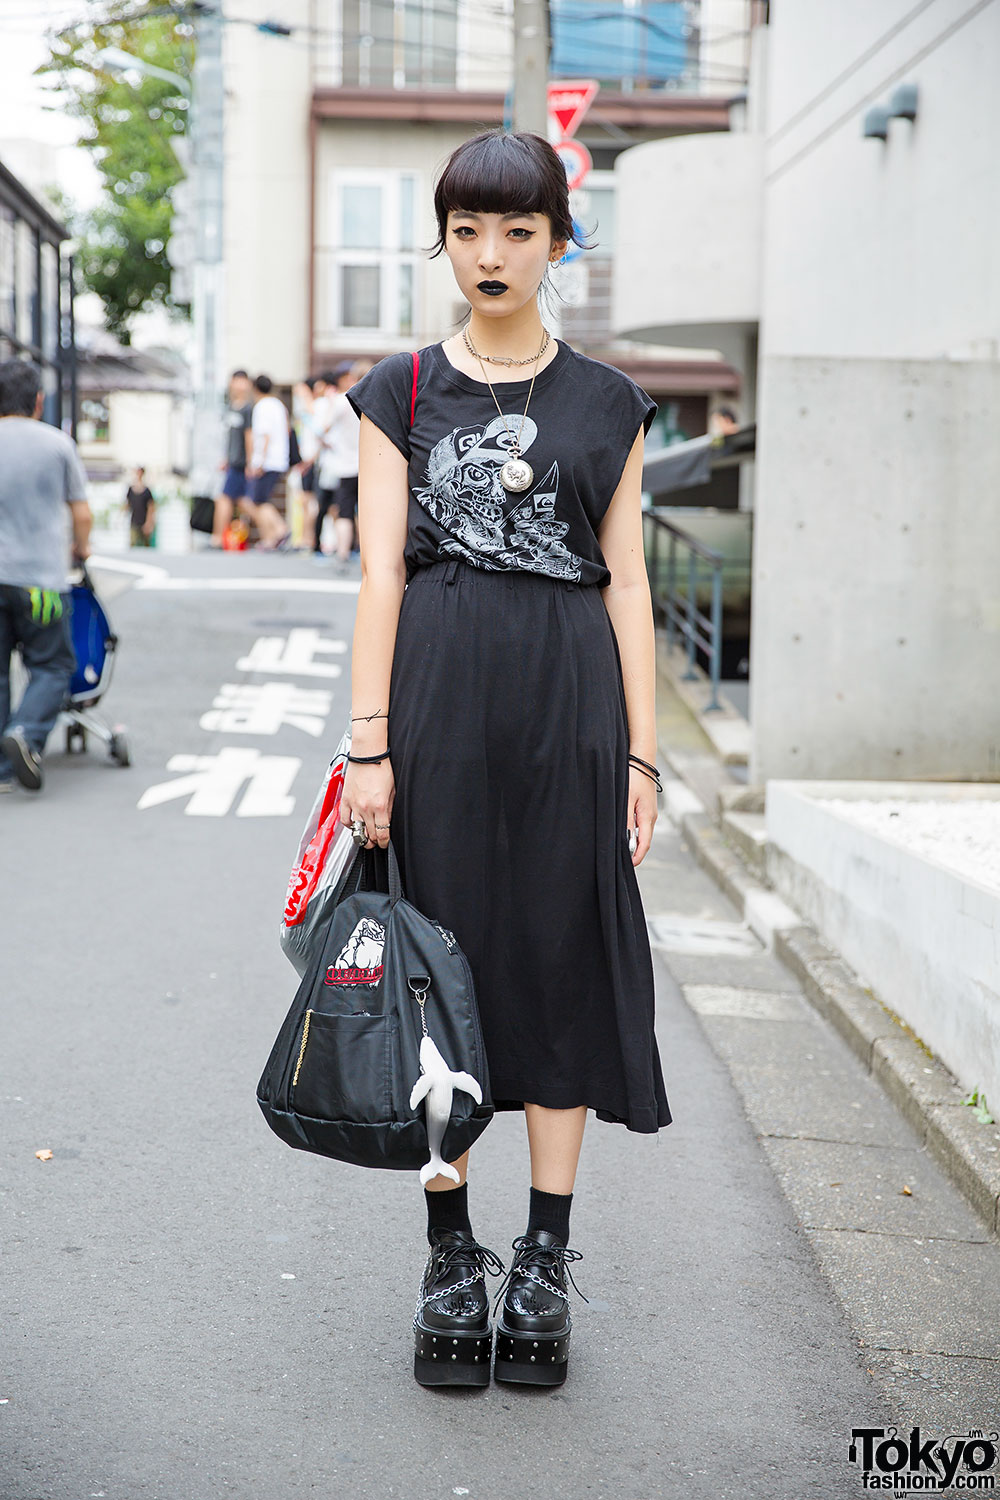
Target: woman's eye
(463, 231)
(525, 233)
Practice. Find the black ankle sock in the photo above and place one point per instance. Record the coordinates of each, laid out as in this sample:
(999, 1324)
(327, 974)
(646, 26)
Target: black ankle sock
(448, 1209)
(550, 1211)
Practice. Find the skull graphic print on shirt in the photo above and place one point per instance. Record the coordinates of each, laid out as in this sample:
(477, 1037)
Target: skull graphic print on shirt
(490, 527)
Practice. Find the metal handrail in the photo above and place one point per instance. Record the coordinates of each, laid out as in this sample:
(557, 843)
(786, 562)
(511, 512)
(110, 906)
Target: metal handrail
(679, 611)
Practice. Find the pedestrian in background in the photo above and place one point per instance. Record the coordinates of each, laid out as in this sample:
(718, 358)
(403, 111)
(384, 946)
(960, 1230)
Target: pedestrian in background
(308, 415)
(239, 415)
(141, 506)
(40, 476)
(338, 462)
(503, 718)
(269, 461)
(723, 422)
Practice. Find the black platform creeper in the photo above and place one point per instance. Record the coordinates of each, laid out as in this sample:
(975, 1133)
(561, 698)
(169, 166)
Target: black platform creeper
(532, 1335)
(454, 1340)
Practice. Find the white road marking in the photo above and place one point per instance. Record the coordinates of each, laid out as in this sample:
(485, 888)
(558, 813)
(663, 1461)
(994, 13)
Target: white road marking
(701, 935)
(166, 585)
(294, 655)
(214, 782)
(265, 708)
(149, 575)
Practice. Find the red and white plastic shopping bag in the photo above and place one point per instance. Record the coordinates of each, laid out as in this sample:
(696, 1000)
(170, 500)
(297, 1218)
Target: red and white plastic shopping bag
(326, 849)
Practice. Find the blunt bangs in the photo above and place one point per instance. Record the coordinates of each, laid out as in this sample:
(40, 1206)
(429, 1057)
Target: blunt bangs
(504, 172)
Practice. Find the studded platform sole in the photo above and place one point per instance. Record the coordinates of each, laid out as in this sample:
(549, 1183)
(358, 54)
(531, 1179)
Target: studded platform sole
(532, 1332)
(452, 1359)
(451, 1323)
(531, 1359)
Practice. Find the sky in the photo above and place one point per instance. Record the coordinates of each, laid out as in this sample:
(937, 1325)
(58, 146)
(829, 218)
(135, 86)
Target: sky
(23, 119)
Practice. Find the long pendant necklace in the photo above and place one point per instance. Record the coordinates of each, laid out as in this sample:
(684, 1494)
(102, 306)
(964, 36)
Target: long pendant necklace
(516, 474)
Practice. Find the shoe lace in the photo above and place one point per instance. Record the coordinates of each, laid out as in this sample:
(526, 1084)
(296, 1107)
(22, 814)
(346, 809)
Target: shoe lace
(446, 1256)
(553, 1258)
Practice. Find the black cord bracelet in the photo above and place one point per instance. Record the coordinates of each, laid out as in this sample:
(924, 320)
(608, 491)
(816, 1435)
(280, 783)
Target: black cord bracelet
(643, 763)
(654, 778)
(367, 760)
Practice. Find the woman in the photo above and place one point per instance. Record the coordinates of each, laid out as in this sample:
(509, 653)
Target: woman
(503, 714)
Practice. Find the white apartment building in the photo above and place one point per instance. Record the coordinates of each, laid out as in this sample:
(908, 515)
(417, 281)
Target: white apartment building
(852, 223)
(334, 136)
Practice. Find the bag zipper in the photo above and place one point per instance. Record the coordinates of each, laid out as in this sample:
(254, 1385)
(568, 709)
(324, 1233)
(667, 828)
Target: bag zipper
(302, 1049)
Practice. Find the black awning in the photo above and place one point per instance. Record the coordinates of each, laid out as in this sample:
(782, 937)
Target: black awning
(684, 466)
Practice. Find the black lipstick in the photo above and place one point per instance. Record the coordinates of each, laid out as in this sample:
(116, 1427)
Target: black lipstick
(493, 288)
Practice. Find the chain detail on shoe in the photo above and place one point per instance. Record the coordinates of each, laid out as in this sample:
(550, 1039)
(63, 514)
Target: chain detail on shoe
(486, 1260)
(554, 1257)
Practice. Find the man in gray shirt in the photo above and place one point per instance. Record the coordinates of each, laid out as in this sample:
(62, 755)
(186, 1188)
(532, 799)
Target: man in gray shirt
(40, 476)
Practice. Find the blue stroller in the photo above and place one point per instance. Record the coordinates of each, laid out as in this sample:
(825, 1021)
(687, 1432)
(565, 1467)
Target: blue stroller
(94, 643)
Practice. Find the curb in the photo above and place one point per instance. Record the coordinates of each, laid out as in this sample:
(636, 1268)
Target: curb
(924, 1092)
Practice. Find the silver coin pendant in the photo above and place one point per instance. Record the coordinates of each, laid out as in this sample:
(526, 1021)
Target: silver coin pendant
(516, 474)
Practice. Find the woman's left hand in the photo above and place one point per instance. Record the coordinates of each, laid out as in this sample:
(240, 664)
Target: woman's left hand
(642, 811)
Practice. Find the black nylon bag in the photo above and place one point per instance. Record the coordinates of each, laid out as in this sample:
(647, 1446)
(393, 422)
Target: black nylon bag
(341, 1070)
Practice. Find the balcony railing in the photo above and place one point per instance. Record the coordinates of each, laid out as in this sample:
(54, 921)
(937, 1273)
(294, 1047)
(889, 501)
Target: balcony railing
(674, 585)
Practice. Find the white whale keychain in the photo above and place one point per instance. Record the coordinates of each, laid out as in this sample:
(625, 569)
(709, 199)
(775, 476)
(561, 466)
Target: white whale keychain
(436, 1087)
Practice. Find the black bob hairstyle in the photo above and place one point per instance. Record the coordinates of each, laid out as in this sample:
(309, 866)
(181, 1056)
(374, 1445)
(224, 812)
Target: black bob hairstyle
(504, 172)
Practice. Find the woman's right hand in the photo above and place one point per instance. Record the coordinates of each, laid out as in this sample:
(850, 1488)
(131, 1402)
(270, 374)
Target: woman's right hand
(369, 792)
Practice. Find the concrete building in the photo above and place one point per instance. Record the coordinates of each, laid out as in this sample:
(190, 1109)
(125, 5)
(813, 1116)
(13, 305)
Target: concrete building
(36, 304)
(334, 136)
(853, 223)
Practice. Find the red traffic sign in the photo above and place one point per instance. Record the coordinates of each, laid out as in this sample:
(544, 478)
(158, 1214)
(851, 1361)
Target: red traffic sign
(569, 102)
(576, 159)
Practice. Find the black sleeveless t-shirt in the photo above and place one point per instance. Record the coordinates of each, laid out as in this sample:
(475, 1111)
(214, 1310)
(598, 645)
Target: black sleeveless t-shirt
(582, 420)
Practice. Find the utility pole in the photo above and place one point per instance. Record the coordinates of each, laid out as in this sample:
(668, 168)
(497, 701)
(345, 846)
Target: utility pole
(531, 66)
(207, 289)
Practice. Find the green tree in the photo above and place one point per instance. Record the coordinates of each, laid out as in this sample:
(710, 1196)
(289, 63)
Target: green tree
(128, 122)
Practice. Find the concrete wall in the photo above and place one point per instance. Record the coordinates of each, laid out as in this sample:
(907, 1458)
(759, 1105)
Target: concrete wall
(876, 593)
(876, 629)
(694, 270)
(920, 935)
(266, 232)
(147, 428)
(485, 44)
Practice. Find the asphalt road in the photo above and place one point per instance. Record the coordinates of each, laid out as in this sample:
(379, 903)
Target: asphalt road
(193, 1311)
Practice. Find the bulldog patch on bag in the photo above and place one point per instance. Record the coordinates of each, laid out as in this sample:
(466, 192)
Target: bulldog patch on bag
(360, 959)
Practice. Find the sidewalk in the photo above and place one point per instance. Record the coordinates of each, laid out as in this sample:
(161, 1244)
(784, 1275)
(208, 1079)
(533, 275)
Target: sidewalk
(916, 1270)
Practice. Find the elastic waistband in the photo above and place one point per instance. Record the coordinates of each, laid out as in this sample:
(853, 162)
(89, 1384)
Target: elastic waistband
(450, 568)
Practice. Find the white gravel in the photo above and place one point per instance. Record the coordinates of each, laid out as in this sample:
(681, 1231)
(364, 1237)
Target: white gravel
(962, 835)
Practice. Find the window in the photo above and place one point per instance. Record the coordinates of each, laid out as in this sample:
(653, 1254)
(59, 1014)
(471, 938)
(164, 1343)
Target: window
(50, 302)
(7, 239)
(400, 43)
(372, 260)
(26, 327)
(360, 296)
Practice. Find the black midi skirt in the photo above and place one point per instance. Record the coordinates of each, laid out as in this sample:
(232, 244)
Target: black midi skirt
(509, 740)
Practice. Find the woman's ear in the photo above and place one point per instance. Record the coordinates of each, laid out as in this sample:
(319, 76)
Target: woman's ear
(557, 251)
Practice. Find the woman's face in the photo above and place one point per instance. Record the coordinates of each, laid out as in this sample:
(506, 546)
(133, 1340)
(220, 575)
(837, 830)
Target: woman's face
(499, 259)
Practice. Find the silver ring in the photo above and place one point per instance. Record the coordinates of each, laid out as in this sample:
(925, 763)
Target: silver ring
(359, 832)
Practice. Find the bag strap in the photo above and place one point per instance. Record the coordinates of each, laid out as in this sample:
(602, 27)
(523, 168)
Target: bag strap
(365, 874)
(413, 389)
